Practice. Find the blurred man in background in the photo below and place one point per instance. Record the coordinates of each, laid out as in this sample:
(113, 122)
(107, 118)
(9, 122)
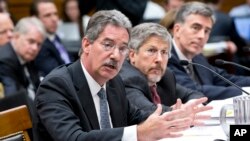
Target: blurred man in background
(53, 52)
(16, 58)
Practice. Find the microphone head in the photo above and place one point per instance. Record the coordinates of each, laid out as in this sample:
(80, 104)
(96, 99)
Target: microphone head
(184, 62)
(219, 62)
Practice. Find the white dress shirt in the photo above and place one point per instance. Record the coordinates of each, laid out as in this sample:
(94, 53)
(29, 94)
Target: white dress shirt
(130, 132)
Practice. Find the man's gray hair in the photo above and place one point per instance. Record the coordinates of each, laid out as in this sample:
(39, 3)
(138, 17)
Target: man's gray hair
(189, 8)
(142, 32)
(24, 24)
(101, 19)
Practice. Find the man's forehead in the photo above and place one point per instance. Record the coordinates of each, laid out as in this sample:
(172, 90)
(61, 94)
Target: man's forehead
(113, 32)
(198, 19)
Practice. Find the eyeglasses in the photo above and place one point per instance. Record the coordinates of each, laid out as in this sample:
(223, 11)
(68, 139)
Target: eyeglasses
(154, 52)
(110, 46)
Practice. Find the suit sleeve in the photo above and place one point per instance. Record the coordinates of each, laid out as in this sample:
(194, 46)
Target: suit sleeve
(137, 98)
(57, 114)
(213, 89)
(7, 78)
(186, 94)
(237, 79)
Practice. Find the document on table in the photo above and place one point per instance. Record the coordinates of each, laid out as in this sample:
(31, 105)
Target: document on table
(200, 133)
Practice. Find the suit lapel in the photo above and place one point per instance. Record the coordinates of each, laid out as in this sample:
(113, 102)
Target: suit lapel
(16, 65)
(114, 105)
(200, 71)
(34, 76)
(166, 88)
(84, 94)
(175, 60)
(53, 49)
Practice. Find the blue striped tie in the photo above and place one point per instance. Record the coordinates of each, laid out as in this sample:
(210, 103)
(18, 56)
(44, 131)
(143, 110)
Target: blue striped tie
(105, 122)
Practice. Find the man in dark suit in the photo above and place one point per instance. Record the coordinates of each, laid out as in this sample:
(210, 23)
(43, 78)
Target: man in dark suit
(139, 73)
(53, 52)
(16, 58)
(192, 27)
(72, 103)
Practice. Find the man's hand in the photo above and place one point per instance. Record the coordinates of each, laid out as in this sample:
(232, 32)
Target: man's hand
(159, 126)
(231, 47)
(192, 109)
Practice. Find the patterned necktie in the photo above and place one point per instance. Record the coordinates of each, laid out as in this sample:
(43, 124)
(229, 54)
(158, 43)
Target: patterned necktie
(105, 122)
(155, 95)
(63, 53)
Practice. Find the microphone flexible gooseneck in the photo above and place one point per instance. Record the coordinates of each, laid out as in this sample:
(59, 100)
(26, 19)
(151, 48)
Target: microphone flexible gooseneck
(185, 63)
(222, 62)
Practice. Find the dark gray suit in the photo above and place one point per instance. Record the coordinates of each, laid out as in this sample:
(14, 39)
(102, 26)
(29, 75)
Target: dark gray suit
(66, 110)
(138, 91)
(12, 73)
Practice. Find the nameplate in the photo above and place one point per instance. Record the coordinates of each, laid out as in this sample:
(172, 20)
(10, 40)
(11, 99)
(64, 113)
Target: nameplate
(239, 132)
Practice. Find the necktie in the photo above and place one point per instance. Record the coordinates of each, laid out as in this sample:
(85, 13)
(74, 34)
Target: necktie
(31, 86)
(63, 53)
(191, 73)
(105, 122)
(155, 96)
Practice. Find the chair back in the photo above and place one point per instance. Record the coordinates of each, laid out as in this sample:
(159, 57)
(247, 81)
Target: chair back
(14, 124)
(1, 90)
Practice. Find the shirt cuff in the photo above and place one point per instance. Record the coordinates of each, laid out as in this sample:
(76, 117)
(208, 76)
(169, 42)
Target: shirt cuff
(130, 133)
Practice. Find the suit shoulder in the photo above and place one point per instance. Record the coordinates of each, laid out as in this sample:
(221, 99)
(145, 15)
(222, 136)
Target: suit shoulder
(60, 72)
(6, 52)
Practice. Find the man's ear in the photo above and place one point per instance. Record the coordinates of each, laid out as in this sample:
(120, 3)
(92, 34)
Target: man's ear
(86, 45)
(176, 29)
(131, 55)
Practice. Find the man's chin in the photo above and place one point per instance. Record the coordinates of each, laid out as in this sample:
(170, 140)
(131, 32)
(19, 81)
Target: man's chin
(155, 78)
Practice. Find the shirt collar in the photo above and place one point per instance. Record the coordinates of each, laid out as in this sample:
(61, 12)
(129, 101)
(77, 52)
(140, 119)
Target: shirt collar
(51, 37)
(93, 85)
(180, 55)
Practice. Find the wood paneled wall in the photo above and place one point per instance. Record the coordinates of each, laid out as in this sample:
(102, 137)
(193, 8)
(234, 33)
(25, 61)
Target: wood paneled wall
(21, 8)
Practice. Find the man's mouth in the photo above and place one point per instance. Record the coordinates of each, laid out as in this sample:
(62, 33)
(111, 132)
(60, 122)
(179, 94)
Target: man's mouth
(156, 70)
(110, 66)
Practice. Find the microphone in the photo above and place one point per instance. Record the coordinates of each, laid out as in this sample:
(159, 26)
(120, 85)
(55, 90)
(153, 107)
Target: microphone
(222, 62)
(185, 63)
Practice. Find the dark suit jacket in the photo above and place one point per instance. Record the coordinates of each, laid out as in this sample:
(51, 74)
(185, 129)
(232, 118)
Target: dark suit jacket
(138, 91)
(211, 85)
(12, 73)
(66, 110)
(48, 58)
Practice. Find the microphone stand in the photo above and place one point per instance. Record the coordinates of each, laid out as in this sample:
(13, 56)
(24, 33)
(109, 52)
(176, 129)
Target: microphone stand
(223, 78)
(222, 62)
